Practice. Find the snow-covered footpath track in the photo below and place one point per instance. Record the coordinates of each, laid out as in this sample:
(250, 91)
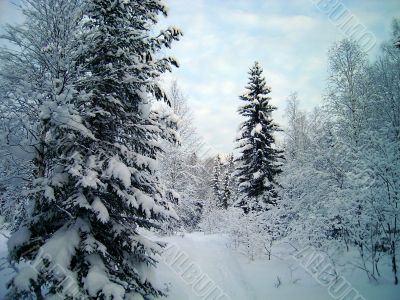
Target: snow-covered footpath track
(218, 265)
(242, 279)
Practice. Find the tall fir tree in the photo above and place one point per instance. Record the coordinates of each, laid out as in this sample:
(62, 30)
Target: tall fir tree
(229, 187)
(259, 160)
(226, 193)
(217, 180)
(99, 190)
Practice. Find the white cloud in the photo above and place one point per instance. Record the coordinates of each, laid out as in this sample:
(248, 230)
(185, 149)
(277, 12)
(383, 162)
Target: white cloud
(281, 23)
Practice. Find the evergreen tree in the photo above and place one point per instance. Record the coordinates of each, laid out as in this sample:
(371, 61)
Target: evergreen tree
(217, 180)
(258, 163)
(99, 188)
(226, 195)
(229, 186)
(233, 185)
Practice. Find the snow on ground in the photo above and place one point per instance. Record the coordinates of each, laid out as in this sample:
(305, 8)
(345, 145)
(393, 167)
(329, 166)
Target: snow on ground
(242, 279)
(236, 276)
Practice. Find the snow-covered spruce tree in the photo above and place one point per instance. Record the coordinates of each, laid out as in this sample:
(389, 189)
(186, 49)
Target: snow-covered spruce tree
(229, 187)
(226, 191)
(258, 163)
(99, 187)
(218, 180)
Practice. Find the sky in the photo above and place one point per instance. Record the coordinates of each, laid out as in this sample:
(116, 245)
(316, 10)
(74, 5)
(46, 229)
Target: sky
(223, 38)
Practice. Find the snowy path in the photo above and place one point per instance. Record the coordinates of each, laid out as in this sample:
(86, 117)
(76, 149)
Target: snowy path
(238, 277)
(242, 279)
(217, 261)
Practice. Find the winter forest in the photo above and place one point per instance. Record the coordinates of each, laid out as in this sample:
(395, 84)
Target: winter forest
(108, 189)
